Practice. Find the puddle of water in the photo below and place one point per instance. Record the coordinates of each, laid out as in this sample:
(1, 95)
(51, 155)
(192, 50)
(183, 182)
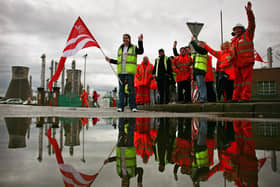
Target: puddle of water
(151, 151)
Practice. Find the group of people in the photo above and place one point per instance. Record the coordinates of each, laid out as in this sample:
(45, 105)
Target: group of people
(187, 145)
(234, 70)
(84, 99)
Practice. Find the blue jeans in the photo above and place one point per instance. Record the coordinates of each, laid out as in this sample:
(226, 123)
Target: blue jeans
(126, 132)
(131, 95)
(201, 86)
(202, 132)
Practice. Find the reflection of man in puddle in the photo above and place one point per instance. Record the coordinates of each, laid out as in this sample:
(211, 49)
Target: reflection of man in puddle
(164, 142)
(143, 138)
(200, 164)
(181, 154)
(126, 153)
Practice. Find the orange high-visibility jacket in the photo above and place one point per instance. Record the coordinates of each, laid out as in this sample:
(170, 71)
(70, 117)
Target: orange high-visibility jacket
(144, 74)
(209, 76)
(243, 46)
(182, 152)
(224, 61)
(142, 139)
(181, 65)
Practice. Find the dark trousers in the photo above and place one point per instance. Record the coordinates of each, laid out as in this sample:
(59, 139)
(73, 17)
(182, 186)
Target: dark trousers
(211, 95)
(131, 96)
(163, 89)
(184, 91)
(226, 86)
(126, 132)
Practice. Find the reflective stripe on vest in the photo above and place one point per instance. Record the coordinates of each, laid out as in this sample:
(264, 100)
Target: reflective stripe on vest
(181, 62)
(126, 157)
(201, 159)
(200, 62)
(157, 64)
(131, 60)
(245, 46)
(143, 74)
(228, 58)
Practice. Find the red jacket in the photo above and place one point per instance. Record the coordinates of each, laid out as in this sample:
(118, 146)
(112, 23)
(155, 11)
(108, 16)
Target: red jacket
(84, 96)
(144, 74)
(243, 46)
(246, 159)
(209, 76)
(95, 96)
(181, 65)
(224, 61)
(182, 152)
(142, 137)
(153, 84)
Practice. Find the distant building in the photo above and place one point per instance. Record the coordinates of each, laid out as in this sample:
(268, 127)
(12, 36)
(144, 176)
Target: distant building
(266, 83)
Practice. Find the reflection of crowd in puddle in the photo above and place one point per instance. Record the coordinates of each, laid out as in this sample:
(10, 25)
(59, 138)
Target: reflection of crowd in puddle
(189, 145)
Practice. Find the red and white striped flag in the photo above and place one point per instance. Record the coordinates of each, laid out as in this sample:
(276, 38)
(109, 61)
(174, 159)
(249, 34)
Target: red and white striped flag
(84, 121)
(258, 57)
(79, 38)
(71, 177)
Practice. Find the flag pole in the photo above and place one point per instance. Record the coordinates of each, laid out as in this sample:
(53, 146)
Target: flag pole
(221, 17)
(100, 169)
(109, 63)
(111, 67)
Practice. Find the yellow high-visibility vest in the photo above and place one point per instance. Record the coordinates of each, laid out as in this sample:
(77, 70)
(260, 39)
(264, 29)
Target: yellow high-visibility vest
(200, 62)
(126, 157)
(131, 60)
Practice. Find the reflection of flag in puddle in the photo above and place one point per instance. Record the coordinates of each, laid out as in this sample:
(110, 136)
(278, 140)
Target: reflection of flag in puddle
(84, 121)
(94, 121)
(71, 177)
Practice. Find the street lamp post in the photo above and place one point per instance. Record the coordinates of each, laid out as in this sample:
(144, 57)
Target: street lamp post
(85, 56)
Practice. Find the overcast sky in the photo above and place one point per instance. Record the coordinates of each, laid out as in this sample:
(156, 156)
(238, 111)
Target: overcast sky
(30, 28)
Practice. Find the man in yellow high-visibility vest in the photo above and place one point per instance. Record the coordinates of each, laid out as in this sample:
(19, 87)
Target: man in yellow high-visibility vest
(126, 69)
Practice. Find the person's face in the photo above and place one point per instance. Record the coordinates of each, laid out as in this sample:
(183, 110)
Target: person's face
(161, 53)
(238, 31)
(182, 51)
(226, 46)
(145, 158)
(145, 60)
(126, 40)
(188, 50)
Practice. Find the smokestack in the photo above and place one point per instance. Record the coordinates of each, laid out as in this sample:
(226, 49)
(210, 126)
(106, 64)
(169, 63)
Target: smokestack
(62, 80)
(55, 68)
(43, 69)
(30, 83)
(269, 57)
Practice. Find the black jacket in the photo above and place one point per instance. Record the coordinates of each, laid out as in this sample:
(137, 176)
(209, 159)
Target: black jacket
(201, 51)
(161, 69)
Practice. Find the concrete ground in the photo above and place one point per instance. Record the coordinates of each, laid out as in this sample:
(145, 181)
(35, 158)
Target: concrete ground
(255, 111)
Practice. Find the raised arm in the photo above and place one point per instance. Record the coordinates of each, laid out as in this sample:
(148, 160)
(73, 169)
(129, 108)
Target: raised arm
(251, 21)
(175, 52)
(140, 48)
(216, 54)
